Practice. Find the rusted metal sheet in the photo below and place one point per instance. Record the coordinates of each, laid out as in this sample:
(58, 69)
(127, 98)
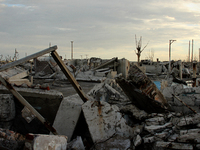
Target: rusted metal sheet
(69, 76)
(142, 91)
(10, 140)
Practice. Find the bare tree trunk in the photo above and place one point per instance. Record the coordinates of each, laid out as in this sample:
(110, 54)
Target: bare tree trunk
(138, 55)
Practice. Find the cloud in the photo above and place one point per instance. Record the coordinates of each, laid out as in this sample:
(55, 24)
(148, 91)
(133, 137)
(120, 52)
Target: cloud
(99, 28)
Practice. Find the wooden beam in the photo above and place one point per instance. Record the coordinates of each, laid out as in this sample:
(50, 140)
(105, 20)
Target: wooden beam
(69, 76)
(35, 55)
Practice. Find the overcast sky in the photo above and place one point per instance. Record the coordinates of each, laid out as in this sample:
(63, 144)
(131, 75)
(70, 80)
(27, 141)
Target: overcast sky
(100, 28)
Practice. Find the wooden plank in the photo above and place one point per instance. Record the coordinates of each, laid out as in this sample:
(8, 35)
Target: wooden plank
(25, 103)
(35, 55)
(69, 76)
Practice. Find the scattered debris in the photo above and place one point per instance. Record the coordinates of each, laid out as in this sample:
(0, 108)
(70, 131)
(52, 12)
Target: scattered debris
(125, 110)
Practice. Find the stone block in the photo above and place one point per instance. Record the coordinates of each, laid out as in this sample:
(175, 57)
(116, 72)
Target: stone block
(68, 115)
(164, 145)
(45, 142)
(183, 132)
(150, 139)
(7, 107)
(173, 137)
(189, 120)
(137, 141)
(189, 138)
(160, 136)
(157, 128)
(155, 121)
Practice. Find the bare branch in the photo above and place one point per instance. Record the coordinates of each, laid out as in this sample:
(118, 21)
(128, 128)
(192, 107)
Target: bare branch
(145, 46)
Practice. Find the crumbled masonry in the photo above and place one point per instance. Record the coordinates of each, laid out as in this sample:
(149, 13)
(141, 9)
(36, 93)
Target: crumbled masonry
(123, 107)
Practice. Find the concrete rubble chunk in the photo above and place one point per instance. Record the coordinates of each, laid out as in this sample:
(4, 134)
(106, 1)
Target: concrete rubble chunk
(137, 141)
(104, 120)
(10, 140)
(150, 139)
(155, 121)
(157, 128)
(135, 112)
(189, 120)
(161, 136)
(171, 145)
(7, 107)
(189, 138)
(68, 115)
(45, 142)
(173, 137)
(116, 142)
(76, 144)
(182, 132)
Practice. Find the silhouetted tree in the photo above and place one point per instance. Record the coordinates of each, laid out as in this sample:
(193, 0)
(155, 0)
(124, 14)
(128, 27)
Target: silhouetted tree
(139, 49)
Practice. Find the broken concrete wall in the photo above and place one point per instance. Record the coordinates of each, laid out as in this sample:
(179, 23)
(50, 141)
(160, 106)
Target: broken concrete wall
(7, 110)
(124, 66)
(189, 95)
(41, 100)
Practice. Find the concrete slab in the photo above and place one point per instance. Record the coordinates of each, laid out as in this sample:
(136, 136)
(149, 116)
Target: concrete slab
(68, 115)
(105, 120)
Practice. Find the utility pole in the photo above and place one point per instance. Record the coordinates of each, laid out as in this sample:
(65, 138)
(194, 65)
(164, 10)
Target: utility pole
(192, 52)
(72, 50)
(199, 54)
(189, 53)
(170, 43)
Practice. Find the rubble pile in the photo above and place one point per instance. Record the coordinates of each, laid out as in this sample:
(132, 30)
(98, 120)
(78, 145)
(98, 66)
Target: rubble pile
(127, 112)
(112, 127)
(189, 95)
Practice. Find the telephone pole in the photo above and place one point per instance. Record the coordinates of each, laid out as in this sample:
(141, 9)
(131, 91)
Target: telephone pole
(170, 43)
(189, 53)
(71, 49)
(192, 52)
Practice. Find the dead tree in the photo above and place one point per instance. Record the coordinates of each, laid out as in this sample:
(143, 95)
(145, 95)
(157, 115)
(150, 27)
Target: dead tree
(139, 49)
